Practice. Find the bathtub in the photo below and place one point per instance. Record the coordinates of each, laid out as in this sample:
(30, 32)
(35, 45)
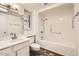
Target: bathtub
(58, 48)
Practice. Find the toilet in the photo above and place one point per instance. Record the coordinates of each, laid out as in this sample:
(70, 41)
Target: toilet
(33, 45)
(35, 49)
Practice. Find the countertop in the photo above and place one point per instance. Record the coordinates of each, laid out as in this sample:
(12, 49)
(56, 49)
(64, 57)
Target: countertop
(10, 42)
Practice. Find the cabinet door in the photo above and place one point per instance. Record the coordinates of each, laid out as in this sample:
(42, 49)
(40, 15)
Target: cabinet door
(7, 52)
(23, 52)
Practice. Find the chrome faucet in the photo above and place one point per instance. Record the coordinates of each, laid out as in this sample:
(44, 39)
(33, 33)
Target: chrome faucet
(13, 36)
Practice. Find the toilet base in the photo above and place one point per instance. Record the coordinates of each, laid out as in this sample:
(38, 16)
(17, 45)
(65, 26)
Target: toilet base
(34, 53)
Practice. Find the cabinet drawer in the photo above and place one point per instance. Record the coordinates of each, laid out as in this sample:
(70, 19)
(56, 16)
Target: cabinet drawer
(19, 46)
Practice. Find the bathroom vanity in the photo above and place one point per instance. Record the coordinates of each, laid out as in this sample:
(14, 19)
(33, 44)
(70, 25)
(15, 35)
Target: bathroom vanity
(17, 47)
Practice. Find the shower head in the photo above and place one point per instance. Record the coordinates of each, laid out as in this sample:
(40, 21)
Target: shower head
(45, 4)
(77, 14)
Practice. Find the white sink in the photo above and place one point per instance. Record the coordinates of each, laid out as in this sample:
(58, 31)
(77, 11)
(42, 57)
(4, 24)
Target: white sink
(18, 39)
(10, 42)
(15, 40)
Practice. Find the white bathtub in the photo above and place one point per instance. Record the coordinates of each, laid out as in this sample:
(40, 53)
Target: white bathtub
(58, 48)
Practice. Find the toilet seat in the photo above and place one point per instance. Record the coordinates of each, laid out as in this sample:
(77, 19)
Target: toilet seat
(35, 47)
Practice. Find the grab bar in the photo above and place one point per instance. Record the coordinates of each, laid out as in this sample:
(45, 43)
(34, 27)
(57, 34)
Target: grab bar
(53, 31)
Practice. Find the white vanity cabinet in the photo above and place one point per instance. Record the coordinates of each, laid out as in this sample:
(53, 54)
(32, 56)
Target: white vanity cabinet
(21, 49)
(23, 52)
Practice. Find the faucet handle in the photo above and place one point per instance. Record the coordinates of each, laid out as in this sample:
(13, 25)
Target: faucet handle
(14, 34)
(11, 33)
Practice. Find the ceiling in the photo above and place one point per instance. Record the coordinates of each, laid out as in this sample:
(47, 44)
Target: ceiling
(35, 6)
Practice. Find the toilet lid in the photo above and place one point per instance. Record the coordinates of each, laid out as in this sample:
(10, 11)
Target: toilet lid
(35, 45)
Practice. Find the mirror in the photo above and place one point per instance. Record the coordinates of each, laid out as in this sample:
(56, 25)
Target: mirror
(10, 21)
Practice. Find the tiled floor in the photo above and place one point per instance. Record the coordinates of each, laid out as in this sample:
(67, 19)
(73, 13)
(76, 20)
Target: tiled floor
(43, 52)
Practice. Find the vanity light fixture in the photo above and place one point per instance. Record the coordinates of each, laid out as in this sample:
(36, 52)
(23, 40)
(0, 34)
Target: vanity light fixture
(8, 7)
(4, 10)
